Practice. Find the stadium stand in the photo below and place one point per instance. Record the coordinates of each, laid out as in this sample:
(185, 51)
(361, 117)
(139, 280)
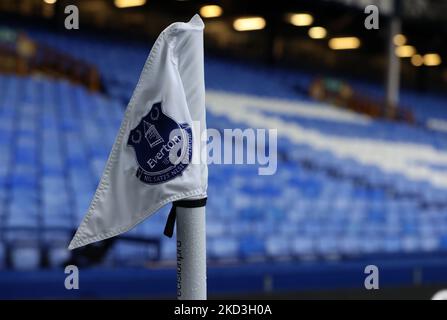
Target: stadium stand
(342, 190)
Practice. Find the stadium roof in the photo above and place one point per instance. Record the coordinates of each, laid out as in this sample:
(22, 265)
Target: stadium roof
(277, 34)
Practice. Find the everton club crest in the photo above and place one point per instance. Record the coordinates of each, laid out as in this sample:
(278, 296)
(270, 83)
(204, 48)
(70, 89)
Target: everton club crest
(163, 147)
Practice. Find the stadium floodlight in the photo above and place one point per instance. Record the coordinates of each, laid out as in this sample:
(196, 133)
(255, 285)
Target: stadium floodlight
(344, 43)
(399, 40)
(211, 11)
(249, 24)
(129, 3)
(405, 51)
(417, 60)
(300, 19)
(317, 33)
(432, 59)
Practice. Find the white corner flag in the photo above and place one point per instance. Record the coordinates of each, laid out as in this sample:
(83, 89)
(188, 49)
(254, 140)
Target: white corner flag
(151, 162)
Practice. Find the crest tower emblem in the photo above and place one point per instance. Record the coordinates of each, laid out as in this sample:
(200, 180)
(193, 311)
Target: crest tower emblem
(163, 147)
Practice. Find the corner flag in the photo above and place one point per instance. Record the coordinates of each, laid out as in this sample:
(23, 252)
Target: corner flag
(150, 162)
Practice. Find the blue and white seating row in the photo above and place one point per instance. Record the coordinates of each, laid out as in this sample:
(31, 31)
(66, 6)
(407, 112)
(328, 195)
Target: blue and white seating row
(55, 138)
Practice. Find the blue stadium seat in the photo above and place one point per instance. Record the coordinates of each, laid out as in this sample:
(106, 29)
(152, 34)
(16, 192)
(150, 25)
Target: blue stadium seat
(278, 246)
(2, 256)
(58, 256)
(223, 248)
(319, 202)
(27, 258)
(168, 249)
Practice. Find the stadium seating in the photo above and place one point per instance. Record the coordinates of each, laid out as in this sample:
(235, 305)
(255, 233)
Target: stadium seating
(325, 201)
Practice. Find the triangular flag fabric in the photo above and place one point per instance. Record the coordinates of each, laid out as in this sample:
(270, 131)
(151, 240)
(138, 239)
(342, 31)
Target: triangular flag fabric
(150, 162)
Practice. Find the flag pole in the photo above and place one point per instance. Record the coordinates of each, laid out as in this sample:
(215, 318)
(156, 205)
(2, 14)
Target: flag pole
(191, 253)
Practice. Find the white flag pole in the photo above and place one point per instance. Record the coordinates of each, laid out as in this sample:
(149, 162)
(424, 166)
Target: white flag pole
(190, 212)
(191, 254)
